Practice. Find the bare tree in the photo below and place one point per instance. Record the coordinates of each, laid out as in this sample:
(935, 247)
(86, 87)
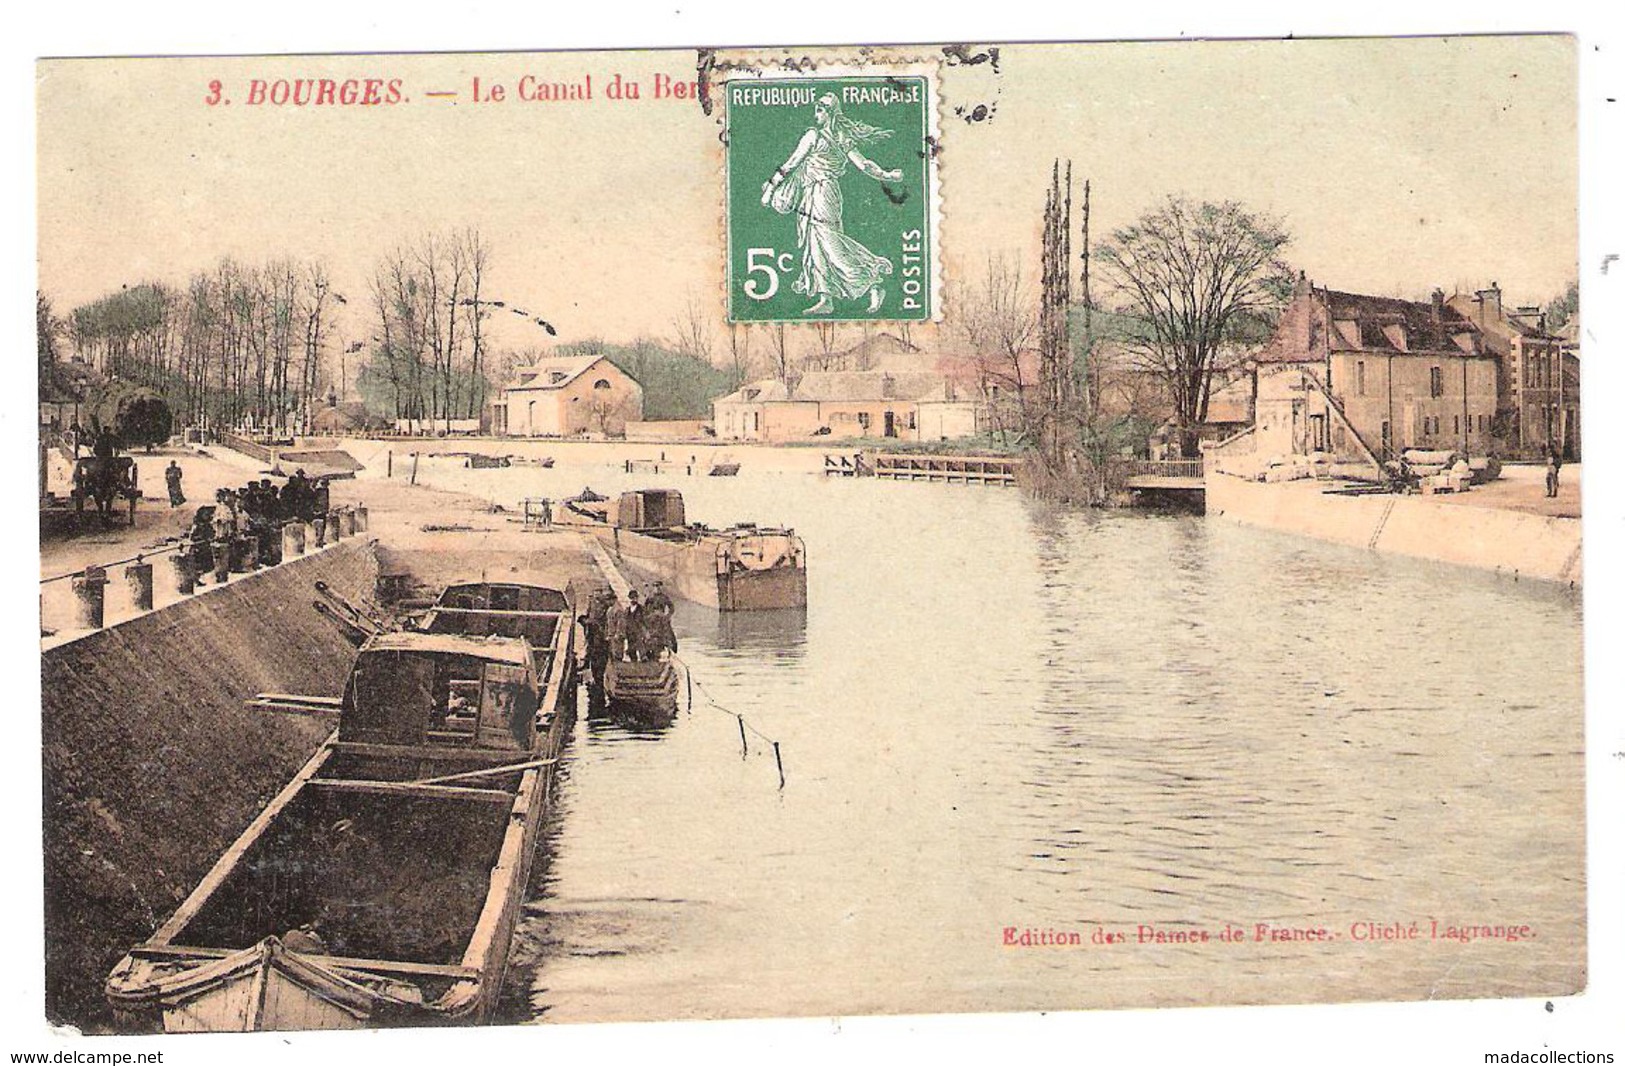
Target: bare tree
(693, 330)
(739, 351)
(315, 297)
(1189, 274)
(998, 320)
(477, 255)
(779, 351)
(825, 332)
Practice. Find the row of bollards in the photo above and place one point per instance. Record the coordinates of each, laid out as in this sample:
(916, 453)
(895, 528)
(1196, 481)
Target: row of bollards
(235, 556)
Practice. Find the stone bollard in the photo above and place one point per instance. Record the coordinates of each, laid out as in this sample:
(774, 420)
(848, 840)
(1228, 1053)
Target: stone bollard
(139, 576)
(244, 554)
(90, 596)
(318, 532)
(360, 518)
(333, 531)
(293, 539)
(222, 561)
(270, 548)
(180, 565)
(347, 522)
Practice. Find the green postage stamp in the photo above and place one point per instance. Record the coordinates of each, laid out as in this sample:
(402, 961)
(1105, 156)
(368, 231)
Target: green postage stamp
(830, 198)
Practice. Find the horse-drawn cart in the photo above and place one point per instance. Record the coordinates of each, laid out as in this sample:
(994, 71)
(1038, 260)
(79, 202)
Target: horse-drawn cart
(104, 480)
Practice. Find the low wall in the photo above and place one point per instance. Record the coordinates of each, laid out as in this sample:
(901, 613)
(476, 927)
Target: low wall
(152, 766)
(1513, 542)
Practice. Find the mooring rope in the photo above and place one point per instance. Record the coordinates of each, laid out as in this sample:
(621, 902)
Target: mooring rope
(744, 726)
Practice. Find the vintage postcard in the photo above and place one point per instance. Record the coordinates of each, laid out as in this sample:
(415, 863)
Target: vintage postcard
(794, 532)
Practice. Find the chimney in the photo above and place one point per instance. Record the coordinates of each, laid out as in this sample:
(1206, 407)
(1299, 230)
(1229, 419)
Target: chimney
(1438, 305)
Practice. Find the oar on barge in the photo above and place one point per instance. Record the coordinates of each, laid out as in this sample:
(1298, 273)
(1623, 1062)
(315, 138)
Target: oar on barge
(382, 884)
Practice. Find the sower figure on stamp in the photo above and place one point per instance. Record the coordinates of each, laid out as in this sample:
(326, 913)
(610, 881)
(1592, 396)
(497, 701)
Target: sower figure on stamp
(808, 185)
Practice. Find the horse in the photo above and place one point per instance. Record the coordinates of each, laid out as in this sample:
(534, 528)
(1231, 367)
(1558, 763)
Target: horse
(102, 480)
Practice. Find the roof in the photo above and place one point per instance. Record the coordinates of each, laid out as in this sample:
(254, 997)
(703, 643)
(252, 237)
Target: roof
(318, 462)
(836, 385)
(555, 372)
(851, 386)
(1492, 319)
(1374, 315)
(757, 392)
(497, 649)
(1360, 323)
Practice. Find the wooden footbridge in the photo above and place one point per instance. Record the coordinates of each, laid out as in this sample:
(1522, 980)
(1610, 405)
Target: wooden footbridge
(1161, 475)
(954, 469)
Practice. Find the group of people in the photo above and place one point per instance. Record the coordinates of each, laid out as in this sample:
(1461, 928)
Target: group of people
(258, 511)
(638, 630)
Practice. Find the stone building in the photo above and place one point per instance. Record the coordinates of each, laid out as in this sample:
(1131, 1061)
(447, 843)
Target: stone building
(849, 404)
(568, 395)
(1366, 377)
(1539, 374)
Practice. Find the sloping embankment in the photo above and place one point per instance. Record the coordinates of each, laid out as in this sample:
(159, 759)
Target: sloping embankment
(152, 766)
(1527, 545)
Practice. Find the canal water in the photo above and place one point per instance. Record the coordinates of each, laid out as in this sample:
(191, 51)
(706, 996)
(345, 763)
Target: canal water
(998, 718)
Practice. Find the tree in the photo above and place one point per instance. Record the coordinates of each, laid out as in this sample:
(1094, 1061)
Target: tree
(739, 352)
(136, 415)
(46, 329)
(998, 318)
(1564, 308)
(780, 352)
(1189, 275)
(693, 330)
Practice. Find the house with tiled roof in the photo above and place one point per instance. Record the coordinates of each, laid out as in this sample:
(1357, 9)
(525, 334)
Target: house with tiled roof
(564, 396)
(915, 405)
(1539, 373)
(1366, 377)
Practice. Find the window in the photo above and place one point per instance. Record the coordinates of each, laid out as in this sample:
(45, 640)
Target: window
(556, 376)
(863, 421)
(601, 383)
(1455, 425)
(1436, 381)
(1359, 378)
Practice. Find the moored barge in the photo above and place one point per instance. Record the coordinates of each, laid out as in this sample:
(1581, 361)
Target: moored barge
(381, 886)
(742, 568)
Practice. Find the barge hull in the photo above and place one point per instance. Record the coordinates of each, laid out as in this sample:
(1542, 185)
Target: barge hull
(692, 572)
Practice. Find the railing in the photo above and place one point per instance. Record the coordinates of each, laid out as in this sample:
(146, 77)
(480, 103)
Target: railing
(967, 469)
(248, 447)
(1184, 468)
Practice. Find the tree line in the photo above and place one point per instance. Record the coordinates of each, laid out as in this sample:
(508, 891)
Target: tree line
(430, 302)
(240, 346)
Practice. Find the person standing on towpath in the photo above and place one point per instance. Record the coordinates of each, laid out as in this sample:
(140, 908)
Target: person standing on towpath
(172, 480)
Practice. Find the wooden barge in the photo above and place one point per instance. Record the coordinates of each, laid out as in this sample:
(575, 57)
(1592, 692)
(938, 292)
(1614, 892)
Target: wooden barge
(381, 886)
(742, 568)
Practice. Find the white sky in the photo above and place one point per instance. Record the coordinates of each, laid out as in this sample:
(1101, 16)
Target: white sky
(1398, 165)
